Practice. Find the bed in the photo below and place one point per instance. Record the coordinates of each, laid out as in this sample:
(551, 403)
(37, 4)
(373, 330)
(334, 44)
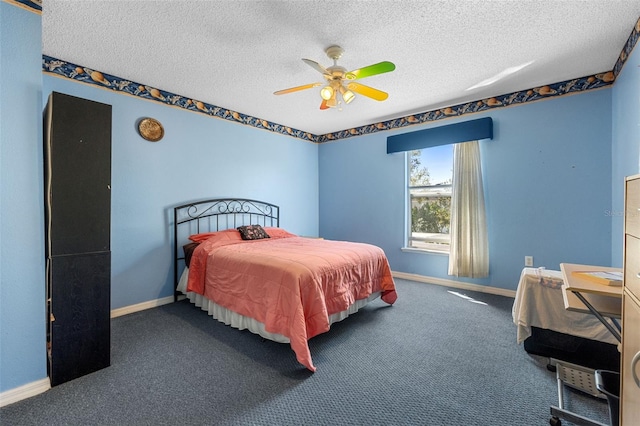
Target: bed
(547, 329)
(234, 261)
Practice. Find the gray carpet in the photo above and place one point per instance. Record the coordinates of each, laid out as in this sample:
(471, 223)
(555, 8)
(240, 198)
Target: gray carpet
(431, 359)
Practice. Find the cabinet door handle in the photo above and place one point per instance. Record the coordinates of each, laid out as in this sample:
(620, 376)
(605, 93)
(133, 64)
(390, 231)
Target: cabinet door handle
(634, 361)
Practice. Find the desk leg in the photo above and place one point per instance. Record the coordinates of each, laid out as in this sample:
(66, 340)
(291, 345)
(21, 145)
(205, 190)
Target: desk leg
(602, 319)
(558, 413)
(616, 323)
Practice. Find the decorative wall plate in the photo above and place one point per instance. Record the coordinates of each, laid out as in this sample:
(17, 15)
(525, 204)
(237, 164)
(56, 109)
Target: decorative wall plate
(150, 129)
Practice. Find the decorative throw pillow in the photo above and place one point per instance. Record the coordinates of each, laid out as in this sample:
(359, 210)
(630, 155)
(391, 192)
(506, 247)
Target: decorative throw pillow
(188, 252)
(252, 232)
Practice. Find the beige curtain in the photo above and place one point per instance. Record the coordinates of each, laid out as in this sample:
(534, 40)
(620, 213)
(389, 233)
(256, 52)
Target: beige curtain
(469, 252)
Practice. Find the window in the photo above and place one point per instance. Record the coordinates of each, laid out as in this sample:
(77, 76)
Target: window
(430, 175)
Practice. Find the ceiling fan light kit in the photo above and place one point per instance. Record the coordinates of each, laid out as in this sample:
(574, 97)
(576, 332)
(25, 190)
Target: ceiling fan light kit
(336, 76)
(347, 95)
(327, 93)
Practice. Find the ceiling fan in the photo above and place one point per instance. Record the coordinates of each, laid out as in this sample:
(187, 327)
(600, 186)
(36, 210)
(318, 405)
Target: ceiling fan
(340, 81)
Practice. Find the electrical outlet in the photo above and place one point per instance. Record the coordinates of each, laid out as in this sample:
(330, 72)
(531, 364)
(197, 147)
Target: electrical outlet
(528, 261)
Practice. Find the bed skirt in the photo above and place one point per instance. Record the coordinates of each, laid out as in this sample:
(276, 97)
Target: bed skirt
(241, 322)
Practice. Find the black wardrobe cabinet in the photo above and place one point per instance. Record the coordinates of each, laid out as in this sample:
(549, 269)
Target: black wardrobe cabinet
(77, 188)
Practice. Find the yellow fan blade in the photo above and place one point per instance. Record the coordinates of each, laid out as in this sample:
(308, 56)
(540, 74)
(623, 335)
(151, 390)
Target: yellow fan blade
(297, 88)
(367, 91)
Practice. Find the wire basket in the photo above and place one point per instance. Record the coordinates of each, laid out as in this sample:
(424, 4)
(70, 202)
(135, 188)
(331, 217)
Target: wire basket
(578, 377)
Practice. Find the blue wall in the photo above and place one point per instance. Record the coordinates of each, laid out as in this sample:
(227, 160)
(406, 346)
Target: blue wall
(22, 289)
(547, 175)
(625, 143)
(552, 171)
(199, 157)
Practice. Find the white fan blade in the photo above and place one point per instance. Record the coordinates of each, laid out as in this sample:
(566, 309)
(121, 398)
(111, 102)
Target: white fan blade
(316, 66)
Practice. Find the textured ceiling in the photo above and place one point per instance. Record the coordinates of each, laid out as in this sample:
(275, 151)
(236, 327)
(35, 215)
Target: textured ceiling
(235, 54)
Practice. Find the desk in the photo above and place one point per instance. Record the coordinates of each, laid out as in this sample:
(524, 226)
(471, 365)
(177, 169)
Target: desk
(581, 295)
(585, 296)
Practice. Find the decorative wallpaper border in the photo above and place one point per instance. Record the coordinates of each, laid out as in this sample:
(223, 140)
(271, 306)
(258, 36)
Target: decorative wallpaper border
(110, 82)
(627, 49)
(537, 93)
(117, 84)
(30, 5)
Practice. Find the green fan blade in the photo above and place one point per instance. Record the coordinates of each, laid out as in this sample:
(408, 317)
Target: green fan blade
(297, 88)
(367, 91)
(375, 69)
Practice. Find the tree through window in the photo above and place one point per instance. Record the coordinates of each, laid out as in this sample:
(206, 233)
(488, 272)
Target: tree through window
(429, 194)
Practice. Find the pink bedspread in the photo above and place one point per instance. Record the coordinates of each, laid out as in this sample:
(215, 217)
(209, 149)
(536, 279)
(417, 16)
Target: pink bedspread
(291, 284)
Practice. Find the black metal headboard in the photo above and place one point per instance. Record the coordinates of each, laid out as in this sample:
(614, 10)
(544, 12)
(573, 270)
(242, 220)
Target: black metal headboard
(217, 215)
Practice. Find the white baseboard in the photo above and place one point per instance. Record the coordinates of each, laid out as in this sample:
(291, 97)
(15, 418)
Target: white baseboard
(455, 284)
(140, 306)
(403, 275)
(43, 385)
(40, 386)
(24, 391)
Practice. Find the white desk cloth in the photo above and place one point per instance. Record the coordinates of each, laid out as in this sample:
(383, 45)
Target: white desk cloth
(539, 304)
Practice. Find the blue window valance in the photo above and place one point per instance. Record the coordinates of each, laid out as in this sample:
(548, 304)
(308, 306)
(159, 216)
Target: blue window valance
(452, 133)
